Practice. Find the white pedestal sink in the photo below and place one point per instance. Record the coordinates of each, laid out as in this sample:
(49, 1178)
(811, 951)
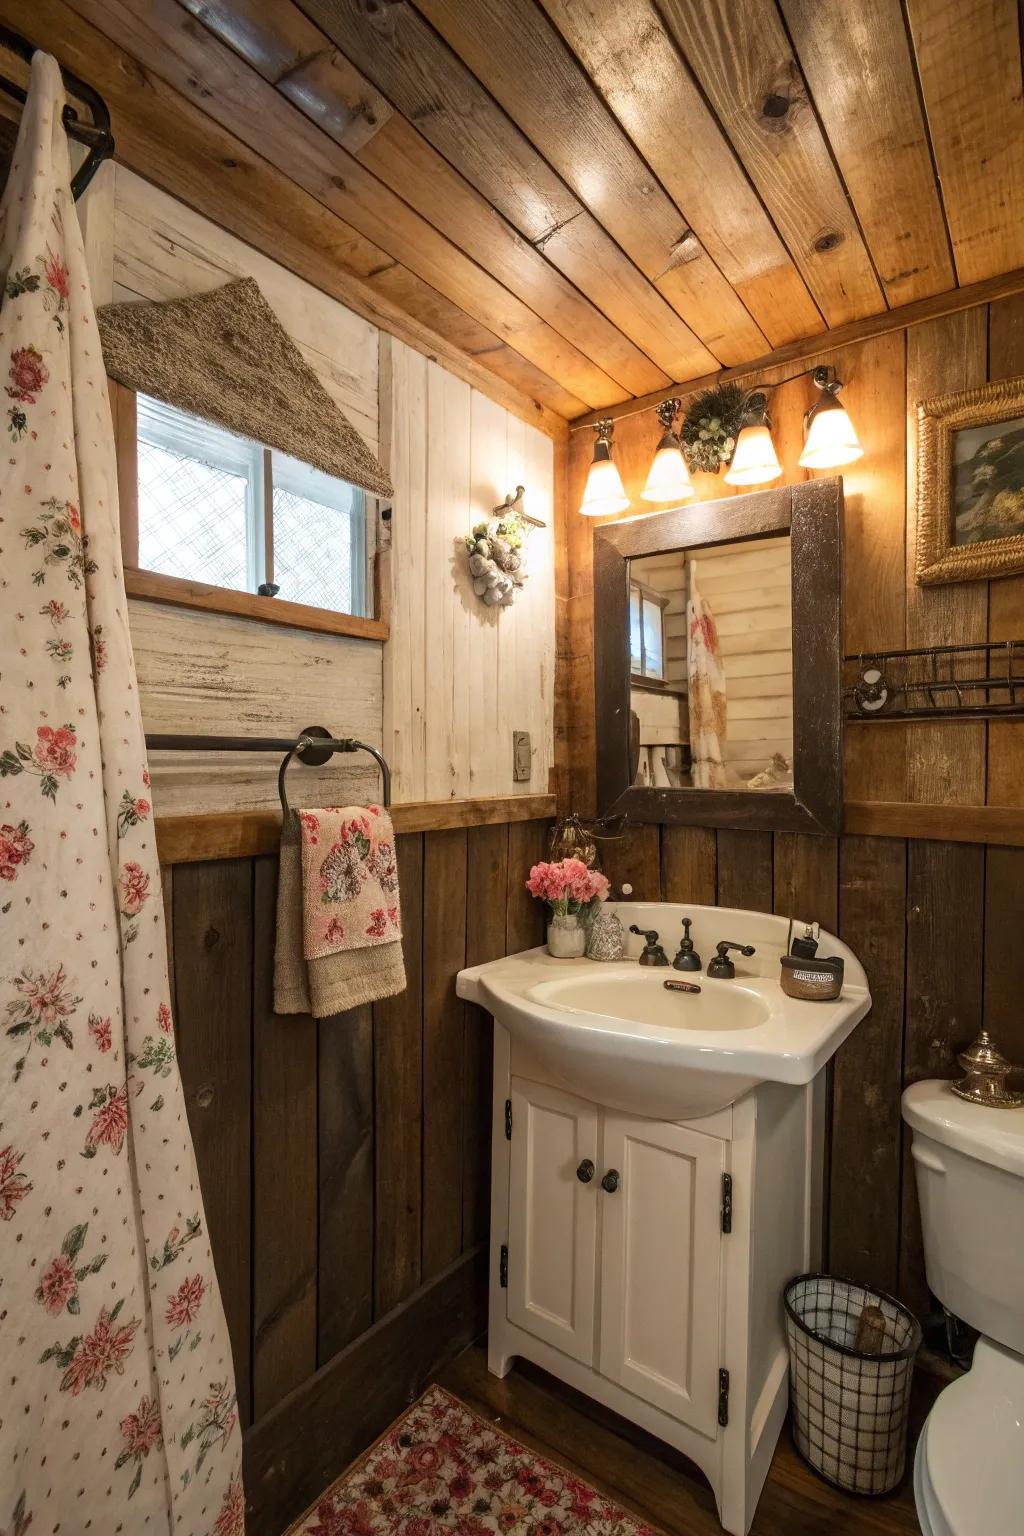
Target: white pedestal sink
(657, 1161)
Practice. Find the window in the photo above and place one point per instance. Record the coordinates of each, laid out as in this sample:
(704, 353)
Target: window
(219, 509)
(646, 632)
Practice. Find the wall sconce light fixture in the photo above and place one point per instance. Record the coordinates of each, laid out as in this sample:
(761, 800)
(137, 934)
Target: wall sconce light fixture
(754, 460)
(831, 439)
(604, 493)
(668, 478)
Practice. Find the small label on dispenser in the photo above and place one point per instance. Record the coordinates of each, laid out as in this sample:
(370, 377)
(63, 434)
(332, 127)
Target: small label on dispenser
(813, 976)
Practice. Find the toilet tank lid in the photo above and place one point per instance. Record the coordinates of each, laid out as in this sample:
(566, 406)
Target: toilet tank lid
(993, 1136)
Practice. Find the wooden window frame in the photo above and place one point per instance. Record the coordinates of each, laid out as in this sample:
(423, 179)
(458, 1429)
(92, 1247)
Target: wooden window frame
(648, 679)
(155, 586)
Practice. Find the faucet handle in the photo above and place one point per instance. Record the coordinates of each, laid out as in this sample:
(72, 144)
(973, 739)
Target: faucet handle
(721, 967)
(653, 953)
(726, 944)
(650, 935)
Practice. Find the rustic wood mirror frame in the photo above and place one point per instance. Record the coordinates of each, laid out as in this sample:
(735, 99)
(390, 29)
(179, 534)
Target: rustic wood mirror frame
(812, 515)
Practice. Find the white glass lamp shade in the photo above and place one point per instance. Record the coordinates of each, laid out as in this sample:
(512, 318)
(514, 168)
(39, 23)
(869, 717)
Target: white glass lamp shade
(604, 493)
(831, 439)
(754, 460)
(668, 478)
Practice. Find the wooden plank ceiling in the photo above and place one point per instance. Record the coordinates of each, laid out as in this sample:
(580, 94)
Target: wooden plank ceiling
(594, 198)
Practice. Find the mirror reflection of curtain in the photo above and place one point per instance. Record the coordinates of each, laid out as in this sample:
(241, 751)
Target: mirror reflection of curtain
(707, 703)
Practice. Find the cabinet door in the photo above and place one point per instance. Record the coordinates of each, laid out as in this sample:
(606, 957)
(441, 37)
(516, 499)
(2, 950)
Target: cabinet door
(660, 1266)
(552, 1238)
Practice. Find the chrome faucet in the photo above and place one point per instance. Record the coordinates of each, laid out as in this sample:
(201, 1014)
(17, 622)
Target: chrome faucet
(720, 966)
(653, 953)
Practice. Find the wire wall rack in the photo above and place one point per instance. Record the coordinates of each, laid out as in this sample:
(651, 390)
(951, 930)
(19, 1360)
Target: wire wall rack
(982, 681)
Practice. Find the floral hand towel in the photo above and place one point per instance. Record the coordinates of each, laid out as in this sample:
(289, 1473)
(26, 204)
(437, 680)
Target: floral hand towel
(339, 927)
(349, 880)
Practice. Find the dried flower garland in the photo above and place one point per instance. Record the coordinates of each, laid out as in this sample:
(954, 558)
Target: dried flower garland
(497, 552)
(711, 427)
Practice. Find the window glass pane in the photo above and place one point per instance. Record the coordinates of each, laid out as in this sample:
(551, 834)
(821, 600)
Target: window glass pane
(197, 497)
(654, 663)
(636, 655)
(319, 537)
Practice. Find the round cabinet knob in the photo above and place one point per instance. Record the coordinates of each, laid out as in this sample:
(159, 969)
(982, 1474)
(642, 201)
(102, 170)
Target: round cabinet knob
(610, 1182)
(585, 1171)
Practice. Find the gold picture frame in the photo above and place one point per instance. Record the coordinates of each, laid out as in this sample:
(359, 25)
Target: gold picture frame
(970, 485)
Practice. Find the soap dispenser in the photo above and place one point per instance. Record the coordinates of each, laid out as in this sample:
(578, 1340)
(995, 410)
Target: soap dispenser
(607, 939)
(806, 946)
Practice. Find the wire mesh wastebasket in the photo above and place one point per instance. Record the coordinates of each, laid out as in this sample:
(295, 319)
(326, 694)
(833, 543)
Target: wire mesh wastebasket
(849, 1404)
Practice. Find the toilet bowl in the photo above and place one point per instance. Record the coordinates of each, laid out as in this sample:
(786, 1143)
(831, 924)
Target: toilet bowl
(969, 1166)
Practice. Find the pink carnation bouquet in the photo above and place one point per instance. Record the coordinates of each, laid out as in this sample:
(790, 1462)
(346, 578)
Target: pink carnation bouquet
(568, 887)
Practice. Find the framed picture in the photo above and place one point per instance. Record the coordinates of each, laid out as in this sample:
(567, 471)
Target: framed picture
(970, 484)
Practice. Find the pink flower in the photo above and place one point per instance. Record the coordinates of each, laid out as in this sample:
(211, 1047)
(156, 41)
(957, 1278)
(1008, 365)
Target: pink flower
(100, 1030)
(15, 849)
(163, 1019)
(55, 611)
(110, 1122)
(58, 1284)
(142, 809)
(231, 1520)
(74, 517)
(53, 751)
(14, 1186)
(335, 931)
(145, 777)
(100, 1352)
(28, 373)
(310, 827)
(134, 889)
(56, 274)
(142, 1429)
(570, 881)
(184, 1304)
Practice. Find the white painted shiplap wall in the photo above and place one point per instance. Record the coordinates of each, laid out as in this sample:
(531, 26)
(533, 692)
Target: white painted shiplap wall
(460, 677)
(456, 678)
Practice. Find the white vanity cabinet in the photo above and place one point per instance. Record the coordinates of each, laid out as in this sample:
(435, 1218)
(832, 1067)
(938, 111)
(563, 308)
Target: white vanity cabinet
(624, 1260)
(656, 1179)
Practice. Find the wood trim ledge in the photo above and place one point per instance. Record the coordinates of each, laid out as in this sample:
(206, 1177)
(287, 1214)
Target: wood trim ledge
(155, 587)
(244, 834)
(939, 823)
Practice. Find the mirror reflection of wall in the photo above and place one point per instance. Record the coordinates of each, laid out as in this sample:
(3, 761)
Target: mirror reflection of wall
(711, 662)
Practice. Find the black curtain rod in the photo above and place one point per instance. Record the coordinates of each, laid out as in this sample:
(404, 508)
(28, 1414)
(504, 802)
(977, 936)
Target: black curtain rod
(95, 135)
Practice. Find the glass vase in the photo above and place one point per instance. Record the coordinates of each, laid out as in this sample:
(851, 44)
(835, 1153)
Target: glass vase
(567, 937)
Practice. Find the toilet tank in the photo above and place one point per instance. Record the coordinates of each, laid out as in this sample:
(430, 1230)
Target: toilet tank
(969, 1166)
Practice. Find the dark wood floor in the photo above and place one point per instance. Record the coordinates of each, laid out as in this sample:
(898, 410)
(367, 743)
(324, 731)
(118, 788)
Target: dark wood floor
(656, 1483)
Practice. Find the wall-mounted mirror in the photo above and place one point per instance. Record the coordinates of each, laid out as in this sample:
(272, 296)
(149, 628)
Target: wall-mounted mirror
(718, 665)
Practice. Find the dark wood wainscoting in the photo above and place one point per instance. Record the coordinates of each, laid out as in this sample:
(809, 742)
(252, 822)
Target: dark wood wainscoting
(937, 926)
(344, 1163)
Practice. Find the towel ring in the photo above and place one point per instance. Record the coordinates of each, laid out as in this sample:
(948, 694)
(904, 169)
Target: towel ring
(317, 746)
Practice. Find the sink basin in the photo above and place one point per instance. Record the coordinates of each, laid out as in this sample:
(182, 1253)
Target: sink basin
(614, 1033)
(638, 995)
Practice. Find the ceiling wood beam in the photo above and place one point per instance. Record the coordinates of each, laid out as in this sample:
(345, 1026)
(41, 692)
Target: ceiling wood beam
(169, 142)
(168, 41)
(285, 47)
(969, 61)
(404, 57)
(814, 348)
(741, 56)
(859, 65)
(626, 51)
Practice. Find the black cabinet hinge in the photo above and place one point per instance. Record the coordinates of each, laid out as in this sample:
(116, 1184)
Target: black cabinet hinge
(726, 1202)
(503, 1267)
(508, 1119)
(723, 1398)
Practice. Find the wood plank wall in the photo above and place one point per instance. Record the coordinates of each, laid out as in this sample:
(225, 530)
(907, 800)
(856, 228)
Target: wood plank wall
(345, 1163)
(934, 922)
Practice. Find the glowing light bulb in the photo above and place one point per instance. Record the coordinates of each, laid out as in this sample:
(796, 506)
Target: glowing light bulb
(754, 460)
(604, 492)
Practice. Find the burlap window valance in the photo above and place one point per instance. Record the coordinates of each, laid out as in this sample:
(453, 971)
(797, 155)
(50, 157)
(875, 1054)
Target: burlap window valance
(225, 356)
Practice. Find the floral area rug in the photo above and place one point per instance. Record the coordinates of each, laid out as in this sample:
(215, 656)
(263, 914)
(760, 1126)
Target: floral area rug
(440, 1468)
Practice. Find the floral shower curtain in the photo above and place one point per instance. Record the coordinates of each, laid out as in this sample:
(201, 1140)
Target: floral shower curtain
(117, 1409)
(706, 692)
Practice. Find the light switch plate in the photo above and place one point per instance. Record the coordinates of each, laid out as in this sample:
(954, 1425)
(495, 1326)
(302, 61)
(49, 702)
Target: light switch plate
(522, 757)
